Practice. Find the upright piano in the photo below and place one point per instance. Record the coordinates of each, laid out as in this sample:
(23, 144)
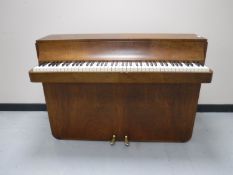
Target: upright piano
(122, 87)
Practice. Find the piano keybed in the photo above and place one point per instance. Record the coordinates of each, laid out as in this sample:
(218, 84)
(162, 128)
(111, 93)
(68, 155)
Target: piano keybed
(121, 66)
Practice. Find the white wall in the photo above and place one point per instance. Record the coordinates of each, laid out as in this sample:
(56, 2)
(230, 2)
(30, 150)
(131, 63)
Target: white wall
(24, 21)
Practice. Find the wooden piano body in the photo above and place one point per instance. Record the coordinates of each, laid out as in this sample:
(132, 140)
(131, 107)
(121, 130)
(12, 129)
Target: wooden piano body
(145, 106)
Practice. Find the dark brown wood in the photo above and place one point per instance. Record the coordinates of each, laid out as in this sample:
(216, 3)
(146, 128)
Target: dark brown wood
(110, 77)
(162, 112)
(122, 47)
(144, 106)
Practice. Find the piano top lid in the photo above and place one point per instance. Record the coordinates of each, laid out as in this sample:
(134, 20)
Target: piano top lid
(123, 36)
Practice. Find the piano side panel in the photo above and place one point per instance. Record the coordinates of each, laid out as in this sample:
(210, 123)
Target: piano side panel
(144, 112)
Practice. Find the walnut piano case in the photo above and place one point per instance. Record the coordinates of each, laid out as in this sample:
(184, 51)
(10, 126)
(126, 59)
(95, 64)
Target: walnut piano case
(144, 106)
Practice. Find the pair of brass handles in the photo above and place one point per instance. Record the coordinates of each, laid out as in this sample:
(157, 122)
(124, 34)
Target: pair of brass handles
(113, 141)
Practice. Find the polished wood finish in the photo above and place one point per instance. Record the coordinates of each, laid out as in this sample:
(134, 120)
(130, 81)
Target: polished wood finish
(122, 47)
(142, 106)
(161, 112)
(114, 77)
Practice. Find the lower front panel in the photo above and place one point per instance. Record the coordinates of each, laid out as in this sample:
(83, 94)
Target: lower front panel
(143, 112)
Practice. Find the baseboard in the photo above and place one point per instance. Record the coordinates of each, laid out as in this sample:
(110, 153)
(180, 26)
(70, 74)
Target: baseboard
(22, 107)
(42, 107)
(215, 108)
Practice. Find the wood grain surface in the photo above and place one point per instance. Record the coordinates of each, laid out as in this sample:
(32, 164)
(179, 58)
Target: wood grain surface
(114, 77)
(122, 47)
(162, 112)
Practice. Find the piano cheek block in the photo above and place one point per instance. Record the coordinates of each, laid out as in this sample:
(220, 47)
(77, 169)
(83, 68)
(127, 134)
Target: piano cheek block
(122, 87)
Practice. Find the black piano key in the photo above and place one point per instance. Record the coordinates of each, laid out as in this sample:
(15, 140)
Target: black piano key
(186, 63)
(54, 64)
(42, 64)
(151, 63)
(63, 64)
(78, 63)
(180, 64)
(57, 63)
(82, 63)
(176, 63)
(50, 64)
(198, 64)
(155, 64)
(68, 63)
(172, 63)
(73, 63)
(89, 63)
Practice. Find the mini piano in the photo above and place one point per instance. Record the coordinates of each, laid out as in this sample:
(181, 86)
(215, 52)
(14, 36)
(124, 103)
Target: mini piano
(122, 87)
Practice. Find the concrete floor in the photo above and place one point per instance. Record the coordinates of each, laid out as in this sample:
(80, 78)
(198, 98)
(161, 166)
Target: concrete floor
(27, 147)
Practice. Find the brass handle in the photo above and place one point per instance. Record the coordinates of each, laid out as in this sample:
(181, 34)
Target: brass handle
(126, 141)
(112, 142)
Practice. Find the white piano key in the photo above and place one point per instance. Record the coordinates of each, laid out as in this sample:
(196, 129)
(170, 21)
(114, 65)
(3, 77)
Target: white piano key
(170, 67)
(133, 67)
(183, 68)
(36, 69)
(195, 67)
(144, 67)
(46, 67)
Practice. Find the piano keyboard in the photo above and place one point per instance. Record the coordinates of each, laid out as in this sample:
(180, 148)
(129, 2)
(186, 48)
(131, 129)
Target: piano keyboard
(120, 66)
